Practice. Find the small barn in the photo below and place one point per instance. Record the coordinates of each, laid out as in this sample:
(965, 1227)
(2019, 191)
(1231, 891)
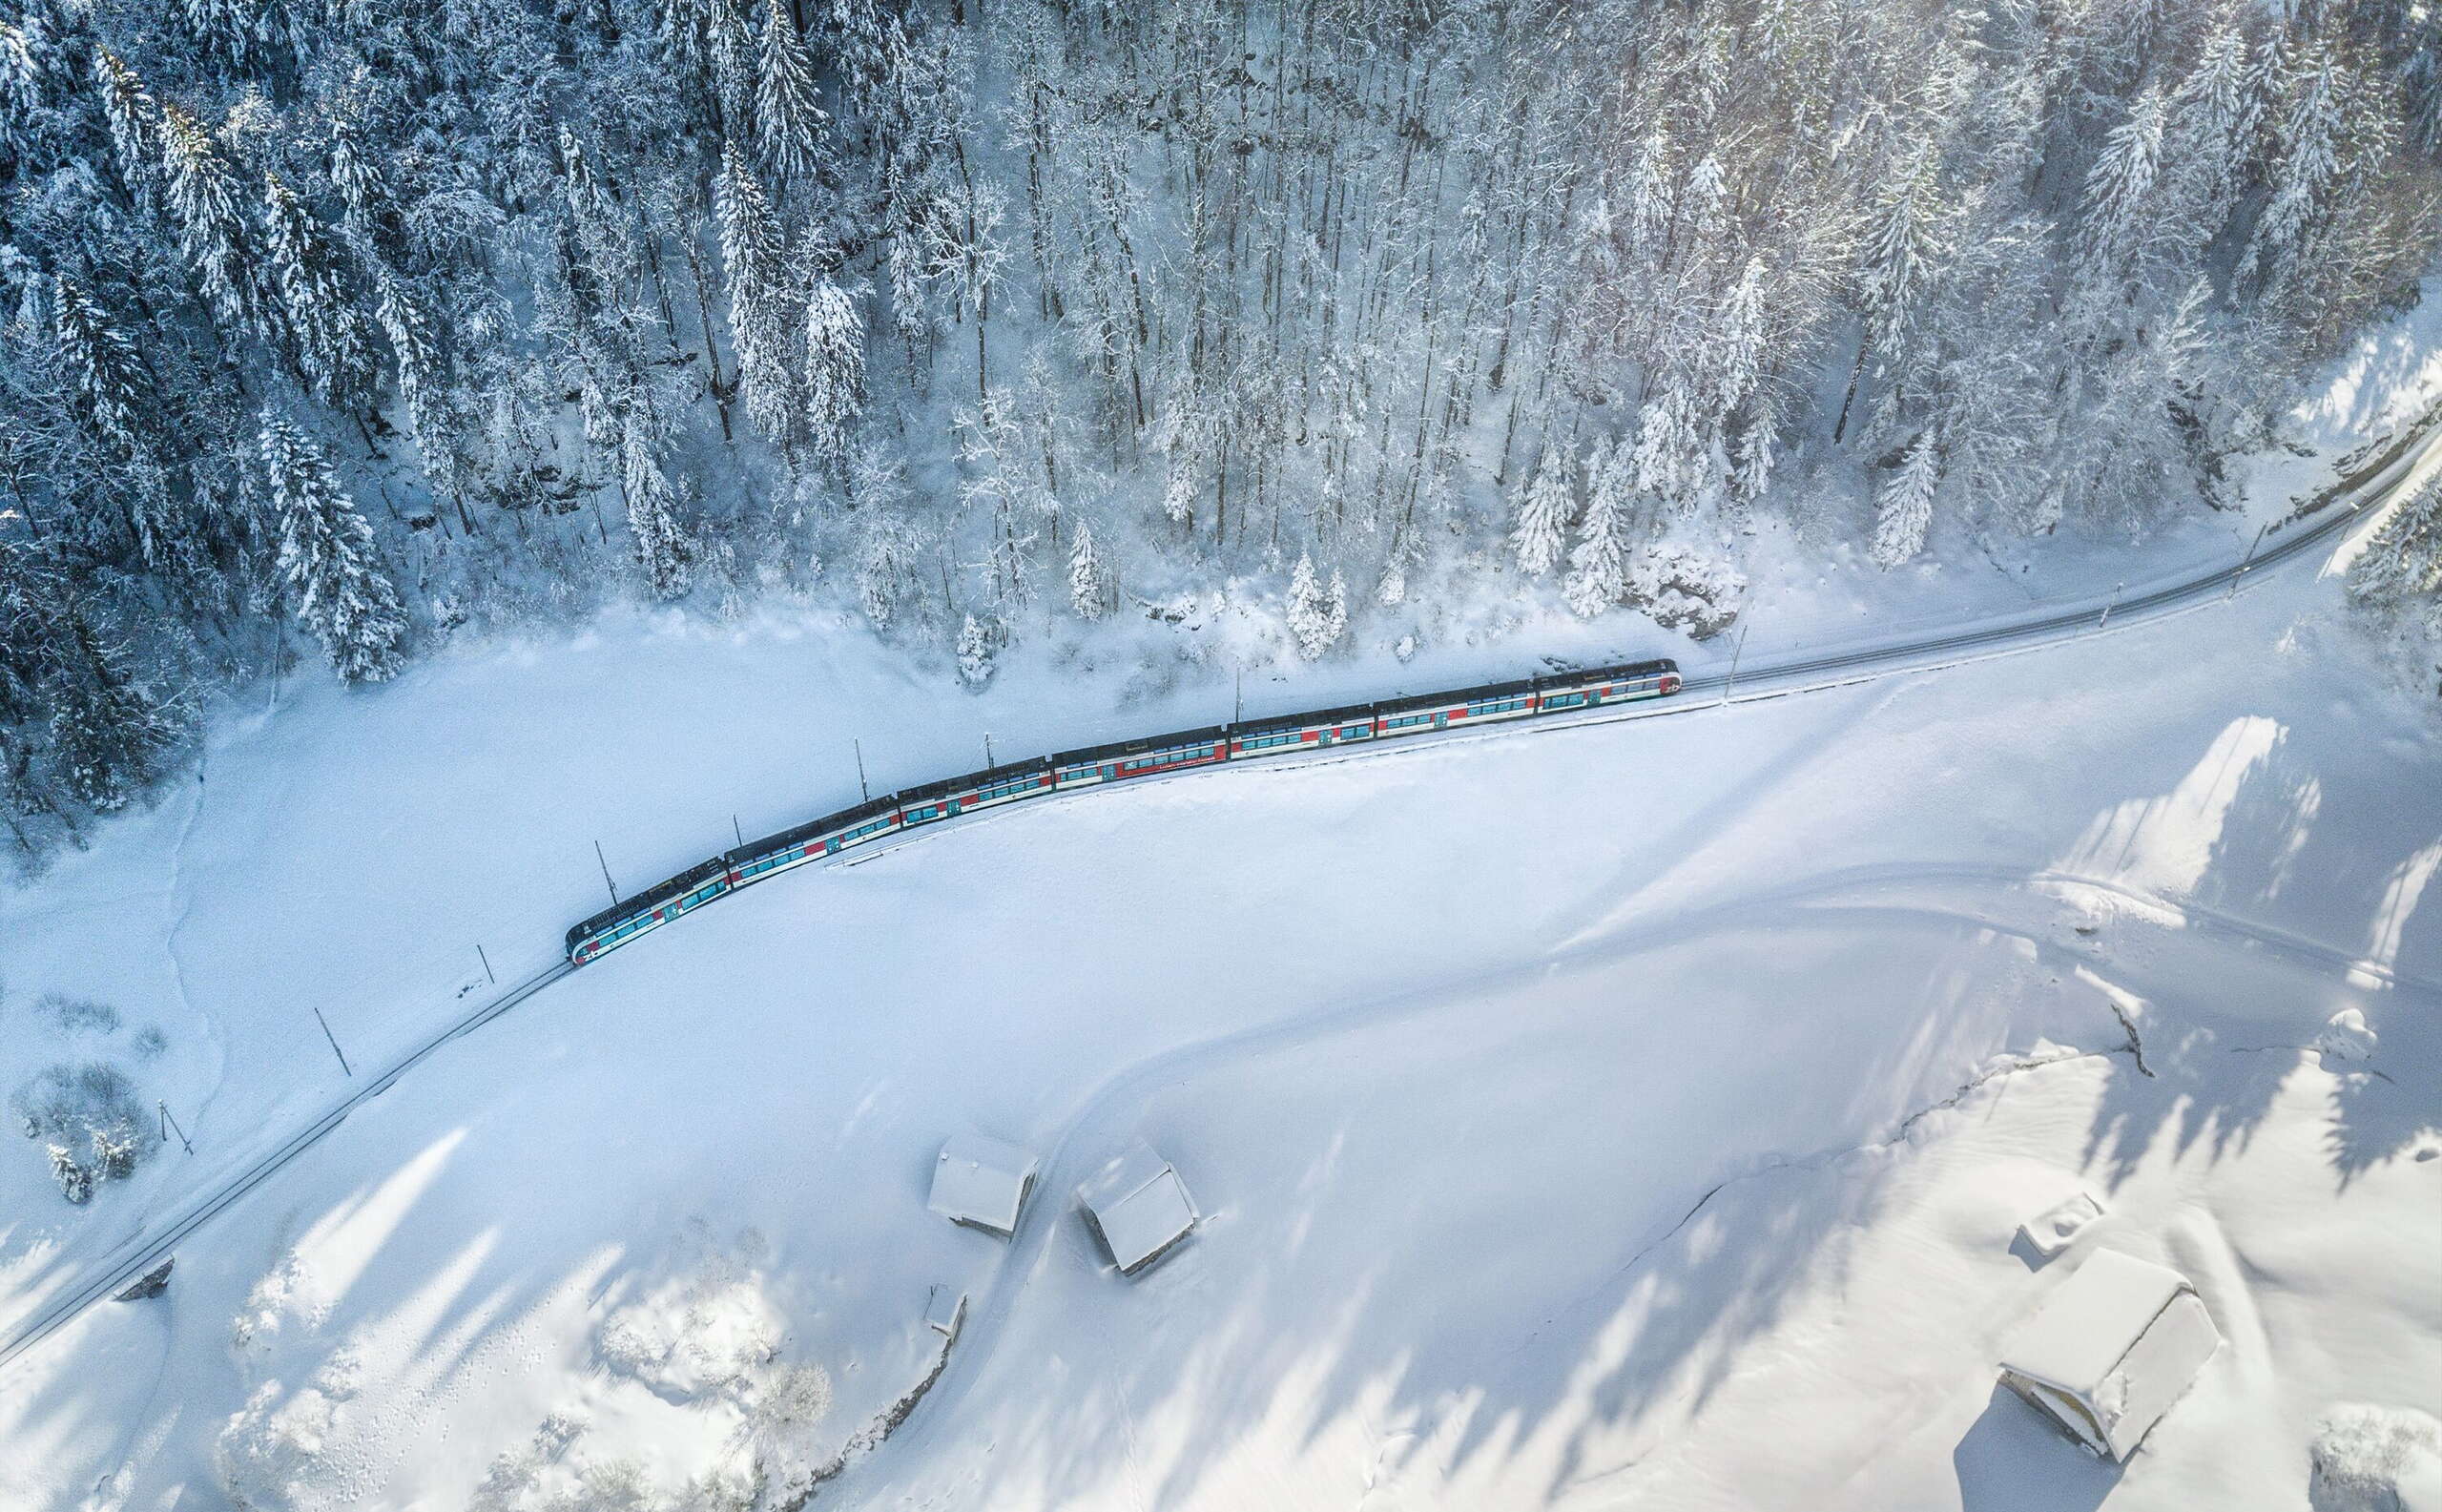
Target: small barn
(1138, 1207)
(982, 1183)
(2110, 1349)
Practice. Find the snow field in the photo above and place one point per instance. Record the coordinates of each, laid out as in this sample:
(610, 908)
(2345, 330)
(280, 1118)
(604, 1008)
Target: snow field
(1448, 1042)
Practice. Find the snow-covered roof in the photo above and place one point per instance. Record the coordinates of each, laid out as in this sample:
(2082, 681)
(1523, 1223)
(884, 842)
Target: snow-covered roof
(981, 1181)
(1139, 1204)
(2123, 1337)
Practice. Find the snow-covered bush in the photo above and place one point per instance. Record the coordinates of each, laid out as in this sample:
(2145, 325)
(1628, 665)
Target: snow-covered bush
(90, 1119)
(979, 651)
(2370, 1459)
(1676, 587)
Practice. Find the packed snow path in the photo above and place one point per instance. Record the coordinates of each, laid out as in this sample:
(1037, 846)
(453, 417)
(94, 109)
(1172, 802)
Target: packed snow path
(2393, 466)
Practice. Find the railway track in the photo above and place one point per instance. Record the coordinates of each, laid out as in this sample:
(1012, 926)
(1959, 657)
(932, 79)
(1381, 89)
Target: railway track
(2368, 480)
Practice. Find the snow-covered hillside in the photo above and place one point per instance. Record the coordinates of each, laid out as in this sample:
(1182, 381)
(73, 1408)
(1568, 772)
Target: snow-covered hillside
(1637, 1113)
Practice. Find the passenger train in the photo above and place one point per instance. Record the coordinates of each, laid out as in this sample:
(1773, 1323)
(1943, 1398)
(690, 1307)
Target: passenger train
(1097, 765)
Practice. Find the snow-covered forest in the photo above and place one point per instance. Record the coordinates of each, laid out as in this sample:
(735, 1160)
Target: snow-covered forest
(358, 320)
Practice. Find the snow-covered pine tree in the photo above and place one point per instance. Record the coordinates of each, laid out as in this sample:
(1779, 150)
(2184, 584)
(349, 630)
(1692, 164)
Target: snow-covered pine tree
(2312, 132)
(1088, 593)
(835, 369)
(2216, 113)
(2404, 560)
(661, 545)
(108, 729)
(1599, 563)
(2121, 221)
(203, 195)
(1544, 510)
(789, 122)
(325, 333)
(134, 122)
(327, 560)
(751, 250)
(1904, 505)
(105, 372)
(417, 361)
(1312, 619)
(1738, 356)
(730, 42)
(978, 646)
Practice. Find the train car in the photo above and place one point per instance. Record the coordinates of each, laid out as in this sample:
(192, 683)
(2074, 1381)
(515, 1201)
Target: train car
(1460, 706)
(1302, 731)
(1596, 686)
(827, 836)
(965, 795)
(1122, 759)
(650, 909)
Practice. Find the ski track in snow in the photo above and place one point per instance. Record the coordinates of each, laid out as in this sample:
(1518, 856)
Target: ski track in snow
(1041, 1228)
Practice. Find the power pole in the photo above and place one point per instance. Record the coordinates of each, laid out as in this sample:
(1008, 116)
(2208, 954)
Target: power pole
(737, 829)
(987, 750)
(335, 1044)
(2114, 604)
(1735, 652)
(2246, 561)
(168, 1123)
(606, 873)
(1238, 704)
(487, 964)
(866, 791)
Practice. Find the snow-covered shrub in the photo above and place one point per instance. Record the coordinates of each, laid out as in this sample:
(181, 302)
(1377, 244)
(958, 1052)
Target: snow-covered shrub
(90, 1119)
(78, 1015)
(691, 1337)
(2369, 1458)
(979, 651)
(272, 1455)
(782, 1410)
(1674, 586)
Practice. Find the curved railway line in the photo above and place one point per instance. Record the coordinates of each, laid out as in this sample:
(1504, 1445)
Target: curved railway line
(2367, 479)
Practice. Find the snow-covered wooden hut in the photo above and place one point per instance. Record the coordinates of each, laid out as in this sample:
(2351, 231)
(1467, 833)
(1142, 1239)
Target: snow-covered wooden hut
(1138, 1207)
(982, 1183)
(2110, 1349)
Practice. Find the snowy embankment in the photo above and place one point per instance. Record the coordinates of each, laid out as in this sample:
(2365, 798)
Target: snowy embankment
(1639, 1112)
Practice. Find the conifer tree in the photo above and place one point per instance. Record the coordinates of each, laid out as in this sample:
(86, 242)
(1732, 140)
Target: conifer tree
(662, 547)
(327, 561)
(1599, 562)
(135, 124)
(1316, 617)
(2120, 216)
(1087, 592)
(113, 393)
(108, 732)
(1904, 505)
(729, 45)
(751, 248)
(326, 332)
(1543, 513)
(202, 196)
(789, 124)
(2312, 133)
(835, 370)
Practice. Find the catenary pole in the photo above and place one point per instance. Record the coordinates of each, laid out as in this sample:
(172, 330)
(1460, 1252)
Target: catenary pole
(335, 1042)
